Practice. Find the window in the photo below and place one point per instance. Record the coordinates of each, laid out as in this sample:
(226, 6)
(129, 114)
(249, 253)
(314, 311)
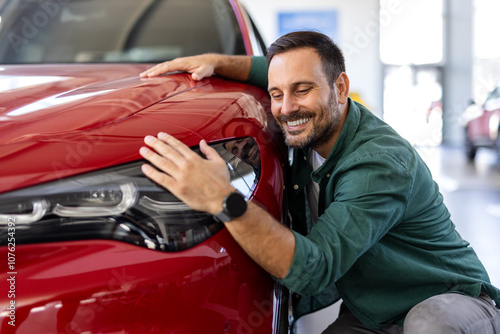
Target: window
(115, 30)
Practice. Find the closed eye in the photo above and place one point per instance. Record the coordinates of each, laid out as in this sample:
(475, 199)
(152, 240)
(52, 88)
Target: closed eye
(303, 91)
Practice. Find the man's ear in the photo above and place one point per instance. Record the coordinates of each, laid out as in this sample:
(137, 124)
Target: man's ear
(342, 87)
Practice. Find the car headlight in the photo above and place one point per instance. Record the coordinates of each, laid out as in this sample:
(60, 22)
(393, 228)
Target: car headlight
(121, 203)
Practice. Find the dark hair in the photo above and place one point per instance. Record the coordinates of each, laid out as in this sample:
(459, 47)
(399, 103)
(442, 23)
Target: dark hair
(331, 56)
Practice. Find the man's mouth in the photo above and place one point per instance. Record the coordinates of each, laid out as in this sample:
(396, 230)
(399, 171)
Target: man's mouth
(297, 122)
(250, 150)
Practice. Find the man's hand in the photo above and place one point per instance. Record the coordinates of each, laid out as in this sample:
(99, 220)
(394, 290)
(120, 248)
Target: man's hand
(200, 183)
(200, 67)
(203, 183)
(203, 66)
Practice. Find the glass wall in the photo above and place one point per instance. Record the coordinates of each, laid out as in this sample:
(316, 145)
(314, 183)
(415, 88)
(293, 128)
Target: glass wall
(486, 48)
(411, 49)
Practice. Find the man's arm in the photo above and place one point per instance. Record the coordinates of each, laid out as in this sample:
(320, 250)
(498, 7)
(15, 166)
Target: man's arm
(203, 184)
(202, 66)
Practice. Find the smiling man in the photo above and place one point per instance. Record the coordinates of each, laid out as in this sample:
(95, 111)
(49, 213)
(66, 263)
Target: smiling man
(370, 225)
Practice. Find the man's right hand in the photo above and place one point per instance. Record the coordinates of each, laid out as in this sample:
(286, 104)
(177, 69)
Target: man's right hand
(200, 66)
(205, 65)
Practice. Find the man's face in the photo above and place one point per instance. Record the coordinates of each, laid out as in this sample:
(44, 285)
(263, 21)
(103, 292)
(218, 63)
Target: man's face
(246, 149)
(303, 102)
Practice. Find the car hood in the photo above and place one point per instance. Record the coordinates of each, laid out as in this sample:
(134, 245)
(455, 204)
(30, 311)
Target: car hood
(62, 120)
(34, 99)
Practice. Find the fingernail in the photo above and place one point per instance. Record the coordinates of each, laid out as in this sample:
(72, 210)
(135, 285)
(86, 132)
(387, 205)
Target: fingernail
(144, 150)
(162, 135)
(148, 139)
(146, 168)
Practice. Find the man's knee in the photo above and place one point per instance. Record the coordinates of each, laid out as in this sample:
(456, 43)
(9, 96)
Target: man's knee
(450, 313)
(433, 313)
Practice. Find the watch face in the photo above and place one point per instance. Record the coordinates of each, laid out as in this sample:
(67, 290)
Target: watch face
(235, 204)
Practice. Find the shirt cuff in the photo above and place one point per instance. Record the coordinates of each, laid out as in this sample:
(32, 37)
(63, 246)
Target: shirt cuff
(301, 273)
(258, 72)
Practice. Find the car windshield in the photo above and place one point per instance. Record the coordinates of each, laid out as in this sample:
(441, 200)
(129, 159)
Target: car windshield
(115, 31)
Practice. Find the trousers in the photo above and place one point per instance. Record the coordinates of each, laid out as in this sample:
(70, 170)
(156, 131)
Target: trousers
(442, 314)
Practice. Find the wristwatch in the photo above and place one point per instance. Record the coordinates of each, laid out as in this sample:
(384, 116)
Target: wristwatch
(234, 205)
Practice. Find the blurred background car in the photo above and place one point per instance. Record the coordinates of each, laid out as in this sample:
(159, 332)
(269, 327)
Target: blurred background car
(482, 125)
(92, 245)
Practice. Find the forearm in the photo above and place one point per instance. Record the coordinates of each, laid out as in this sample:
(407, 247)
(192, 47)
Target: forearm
(265, 240)
(233, 67)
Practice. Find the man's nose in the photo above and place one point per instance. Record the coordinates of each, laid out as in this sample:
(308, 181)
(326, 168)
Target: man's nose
(241, 145)
(289, 104)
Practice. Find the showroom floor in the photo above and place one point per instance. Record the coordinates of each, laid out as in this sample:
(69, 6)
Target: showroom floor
(472, 194)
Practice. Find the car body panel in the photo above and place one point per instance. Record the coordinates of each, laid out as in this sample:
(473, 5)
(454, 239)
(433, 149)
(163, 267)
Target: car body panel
(58, 121)
(72, 282)
(194, 111)
(113, 287)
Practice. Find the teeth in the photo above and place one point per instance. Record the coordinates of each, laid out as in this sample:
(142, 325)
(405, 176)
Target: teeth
(298, 122)
(252, 151)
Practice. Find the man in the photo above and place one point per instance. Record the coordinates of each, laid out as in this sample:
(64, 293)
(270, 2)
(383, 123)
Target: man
(377, 230)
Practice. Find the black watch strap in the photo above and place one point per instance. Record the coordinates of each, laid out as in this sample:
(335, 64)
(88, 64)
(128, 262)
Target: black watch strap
(234, 205)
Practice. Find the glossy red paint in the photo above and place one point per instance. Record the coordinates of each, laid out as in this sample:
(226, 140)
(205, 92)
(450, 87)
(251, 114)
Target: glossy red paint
(98, 115)
(58, 121)
(112, 287)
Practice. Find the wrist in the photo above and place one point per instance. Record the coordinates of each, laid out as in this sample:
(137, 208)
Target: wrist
(234, 205)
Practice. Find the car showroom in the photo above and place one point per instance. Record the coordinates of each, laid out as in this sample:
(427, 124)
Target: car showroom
(91, 244)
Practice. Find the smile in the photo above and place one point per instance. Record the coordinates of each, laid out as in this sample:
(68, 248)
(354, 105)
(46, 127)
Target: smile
(297, 122)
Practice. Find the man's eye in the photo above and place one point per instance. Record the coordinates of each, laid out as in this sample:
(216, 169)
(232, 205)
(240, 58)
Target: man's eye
(303, 91)
(276, 96)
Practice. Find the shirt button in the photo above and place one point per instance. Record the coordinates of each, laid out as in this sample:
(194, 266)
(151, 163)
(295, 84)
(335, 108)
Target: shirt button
(296, 187)
(327, 175)
(305, 158)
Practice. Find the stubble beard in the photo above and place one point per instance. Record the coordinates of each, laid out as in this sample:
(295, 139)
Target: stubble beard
(323, 127)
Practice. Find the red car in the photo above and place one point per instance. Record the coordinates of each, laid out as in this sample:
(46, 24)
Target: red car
(482, 125)
(89, 244)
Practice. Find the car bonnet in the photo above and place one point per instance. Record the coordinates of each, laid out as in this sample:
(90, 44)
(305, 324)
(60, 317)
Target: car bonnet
(62, 120)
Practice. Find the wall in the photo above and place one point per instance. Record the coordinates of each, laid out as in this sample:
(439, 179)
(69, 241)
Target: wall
(358, 37)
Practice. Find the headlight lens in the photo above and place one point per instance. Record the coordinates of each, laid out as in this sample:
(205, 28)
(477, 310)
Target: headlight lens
(121, 203)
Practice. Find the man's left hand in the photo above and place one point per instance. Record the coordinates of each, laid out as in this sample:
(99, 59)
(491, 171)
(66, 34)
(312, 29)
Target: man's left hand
(200, 183)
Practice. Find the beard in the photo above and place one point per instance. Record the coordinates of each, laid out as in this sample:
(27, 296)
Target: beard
(326, 121)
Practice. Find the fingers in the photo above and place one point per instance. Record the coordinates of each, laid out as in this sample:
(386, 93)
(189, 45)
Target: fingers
(155, 71)
(178, 146)
(161, 178)
(163, 148)
(176, 65)
(203, 71)
(200, 66)
(209, 151)
(198, 182)
(198, 73)
(169, 155)
(164, 164)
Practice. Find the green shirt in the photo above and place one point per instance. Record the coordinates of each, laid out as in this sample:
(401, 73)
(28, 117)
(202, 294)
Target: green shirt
(384, 237)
